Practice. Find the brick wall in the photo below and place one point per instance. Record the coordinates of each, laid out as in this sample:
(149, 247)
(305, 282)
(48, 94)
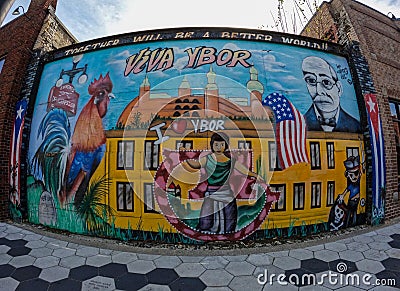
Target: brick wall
(376, 39)
(18, 38)
(322, 25)
(53, 34)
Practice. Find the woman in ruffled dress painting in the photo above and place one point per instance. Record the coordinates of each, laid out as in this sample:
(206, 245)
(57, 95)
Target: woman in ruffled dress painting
(219, 209)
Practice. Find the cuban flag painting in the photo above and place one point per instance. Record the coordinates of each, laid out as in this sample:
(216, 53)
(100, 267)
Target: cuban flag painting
(14, 174)
(378, 157)
(290, 131)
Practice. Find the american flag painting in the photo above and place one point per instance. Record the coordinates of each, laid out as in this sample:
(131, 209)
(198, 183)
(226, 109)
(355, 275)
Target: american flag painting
(19, 117)
(290, 130)
(378, 157)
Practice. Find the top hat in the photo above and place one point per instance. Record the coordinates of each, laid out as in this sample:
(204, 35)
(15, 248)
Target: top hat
(352, 163)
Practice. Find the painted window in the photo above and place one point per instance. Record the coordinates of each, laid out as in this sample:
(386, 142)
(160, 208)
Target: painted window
(280, 205)
(151, 155)
(126, 151)
(274, 164)
(245, 145)
(149, 203)
(187, 144)
(124, 196)
(330, 193)
(298, 196)
(330, 152)
(2, 61)
(315, 194)
(315, 156)
(352, 152)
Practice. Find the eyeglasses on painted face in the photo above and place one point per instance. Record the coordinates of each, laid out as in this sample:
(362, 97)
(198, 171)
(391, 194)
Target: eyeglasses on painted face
(325, 82)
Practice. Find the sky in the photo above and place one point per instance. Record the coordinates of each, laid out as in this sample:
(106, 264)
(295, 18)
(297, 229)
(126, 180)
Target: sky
(90, 19)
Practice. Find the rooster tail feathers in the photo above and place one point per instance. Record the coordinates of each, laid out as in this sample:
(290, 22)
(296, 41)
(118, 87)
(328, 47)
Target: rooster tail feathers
(54, 120)
(52, 154)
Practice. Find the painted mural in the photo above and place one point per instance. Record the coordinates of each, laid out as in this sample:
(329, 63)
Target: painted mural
(15, 169)
(196, 140)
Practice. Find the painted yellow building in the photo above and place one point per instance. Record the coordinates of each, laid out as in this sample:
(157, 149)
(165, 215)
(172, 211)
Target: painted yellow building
(307, 191)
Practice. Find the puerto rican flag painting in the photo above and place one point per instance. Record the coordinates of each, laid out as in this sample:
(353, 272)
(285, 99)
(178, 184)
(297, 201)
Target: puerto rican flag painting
(290, 130)
(14, 174)
(378, 157)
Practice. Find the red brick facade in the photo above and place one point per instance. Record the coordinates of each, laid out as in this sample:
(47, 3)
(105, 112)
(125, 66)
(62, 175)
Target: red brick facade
(378, 37)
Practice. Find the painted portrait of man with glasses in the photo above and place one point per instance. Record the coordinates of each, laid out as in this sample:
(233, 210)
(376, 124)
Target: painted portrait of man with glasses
(325, 90)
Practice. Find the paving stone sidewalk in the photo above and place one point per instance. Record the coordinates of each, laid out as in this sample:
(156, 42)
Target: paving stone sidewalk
(32, 261)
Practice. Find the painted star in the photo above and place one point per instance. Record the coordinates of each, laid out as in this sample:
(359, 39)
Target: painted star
(19, 112)
(371, 105)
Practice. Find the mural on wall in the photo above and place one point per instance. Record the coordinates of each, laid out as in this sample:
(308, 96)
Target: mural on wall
(212, 141)
(15, 171)
(75, 154)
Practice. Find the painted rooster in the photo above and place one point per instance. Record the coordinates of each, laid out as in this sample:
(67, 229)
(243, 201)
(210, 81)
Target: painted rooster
(68, 162)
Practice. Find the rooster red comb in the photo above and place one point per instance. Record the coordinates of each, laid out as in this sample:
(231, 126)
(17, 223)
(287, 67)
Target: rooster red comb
(100, 84)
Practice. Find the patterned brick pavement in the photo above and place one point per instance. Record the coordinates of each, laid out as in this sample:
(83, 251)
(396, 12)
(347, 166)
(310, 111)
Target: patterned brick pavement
(32, 261)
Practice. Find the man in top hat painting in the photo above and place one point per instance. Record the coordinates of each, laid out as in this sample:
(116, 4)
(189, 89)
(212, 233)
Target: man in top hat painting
(353, 175)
